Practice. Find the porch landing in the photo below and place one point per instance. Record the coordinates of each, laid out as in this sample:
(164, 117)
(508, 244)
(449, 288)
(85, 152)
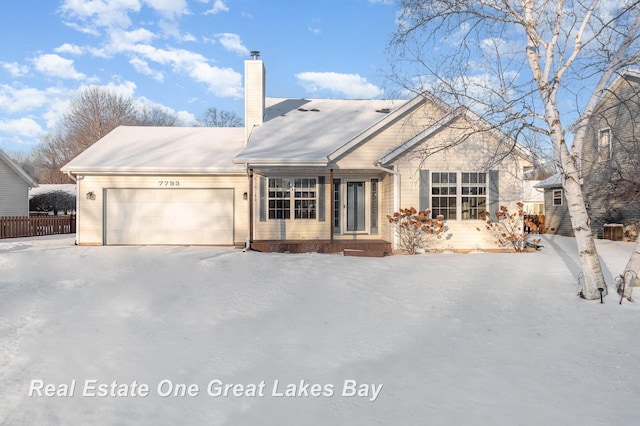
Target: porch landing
(370, 248)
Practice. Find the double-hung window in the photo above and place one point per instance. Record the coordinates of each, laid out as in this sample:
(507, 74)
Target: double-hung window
(557, 197)
(444, 190)
(474, 195)
(604, 144)
(282, 191)
(459, 195)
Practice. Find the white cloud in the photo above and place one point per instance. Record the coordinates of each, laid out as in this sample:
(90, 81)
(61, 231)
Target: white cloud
(124, 38)
(101, 13)
(232, 43)
(350, 85)
(221, 81)
(218, 6)
(15, 69)
(21, 127)
(143, 68)
(57, 66)
(71, 49)
(168, 8)
(14, 100)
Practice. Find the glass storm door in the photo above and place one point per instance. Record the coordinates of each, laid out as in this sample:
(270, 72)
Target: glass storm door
(355, 206)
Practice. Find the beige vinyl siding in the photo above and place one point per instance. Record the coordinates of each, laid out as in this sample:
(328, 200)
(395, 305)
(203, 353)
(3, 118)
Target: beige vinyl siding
(467, 157)
(14, 193)
(293, 229)
(311, 229)
(386, 207)
(365, 155)
(90, 225)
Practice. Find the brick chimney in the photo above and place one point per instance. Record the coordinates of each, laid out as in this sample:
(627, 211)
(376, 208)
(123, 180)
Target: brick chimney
(254, 92)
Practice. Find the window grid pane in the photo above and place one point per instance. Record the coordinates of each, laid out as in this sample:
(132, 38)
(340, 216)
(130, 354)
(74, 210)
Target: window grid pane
(474, 191)
(302, 190)
(444, 184)
(468, 190)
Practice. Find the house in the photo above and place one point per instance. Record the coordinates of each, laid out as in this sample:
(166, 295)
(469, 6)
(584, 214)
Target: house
(302, 171)
(611, 156)
(15, 183)
(556, 211)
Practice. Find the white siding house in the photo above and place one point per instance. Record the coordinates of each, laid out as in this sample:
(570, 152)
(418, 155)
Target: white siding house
(302, 170)
(14, 188)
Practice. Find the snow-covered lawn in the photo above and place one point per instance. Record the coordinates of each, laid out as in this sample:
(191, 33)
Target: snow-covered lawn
(453, 339)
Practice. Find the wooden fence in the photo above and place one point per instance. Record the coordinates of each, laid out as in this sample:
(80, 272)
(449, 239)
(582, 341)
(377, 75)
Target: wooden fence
(31, 226)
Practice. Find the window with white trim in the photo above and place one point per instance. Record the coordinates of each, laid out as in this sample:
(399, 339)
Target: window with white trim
(444, 190)
(459, 195)
(303, 192)
(474, 195)
(604, 144)
(557, 197)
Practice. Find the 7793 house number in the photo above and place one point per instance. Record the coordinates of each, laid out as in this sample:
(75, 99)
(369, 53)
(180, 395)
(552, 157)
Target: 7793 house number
(169, 182)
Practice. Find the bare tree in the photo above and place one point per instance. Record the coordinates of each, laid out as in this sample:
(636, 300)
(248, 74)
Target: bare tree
(157, 116)
(92, 114)
(528, 66)
(220, 118)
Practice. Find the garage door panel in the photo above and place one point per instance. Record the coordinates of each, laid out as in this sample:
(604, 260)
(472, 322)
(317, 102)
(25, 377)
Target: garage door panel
(169, 216)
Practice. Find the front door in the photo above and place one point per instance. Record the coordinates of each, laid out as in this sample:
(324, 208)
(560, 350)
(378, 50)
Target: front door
(355, 206)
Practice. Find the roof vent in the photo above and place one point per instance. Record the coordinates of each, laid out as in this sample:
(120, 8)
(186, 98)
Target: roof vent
(384, 110)
(255, 54)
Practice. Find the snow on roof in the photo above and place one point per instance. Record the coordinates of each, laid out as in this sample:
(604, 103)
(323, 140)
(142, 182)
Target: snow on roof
(530, 192)
(162, 150)
(554, 181)
(308, 130)
(69, 188)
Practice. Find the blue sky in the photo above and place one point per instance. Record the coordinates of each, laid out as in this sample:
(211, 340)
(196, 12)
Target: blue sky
(185, 55)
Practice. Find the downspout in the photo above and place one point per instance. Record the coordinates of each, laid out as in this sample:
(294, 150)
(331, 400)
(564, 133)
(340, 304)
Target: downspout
(396, 192)
(250, 196)
(77, 205)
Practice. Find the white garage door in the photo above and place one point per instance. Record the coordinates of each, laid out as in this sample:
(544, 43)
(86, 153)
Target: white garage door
(169, 216)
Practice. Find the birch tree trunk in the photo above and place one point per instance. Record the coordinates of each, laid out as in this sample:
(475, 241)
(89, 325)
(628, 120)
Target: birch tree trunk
(593, 279)
(632, 265)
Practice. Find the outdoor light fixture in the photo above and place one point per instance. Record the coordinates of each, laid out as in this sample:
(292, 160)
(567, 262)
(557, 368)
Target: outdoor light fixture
(91, 195)
(244, 195)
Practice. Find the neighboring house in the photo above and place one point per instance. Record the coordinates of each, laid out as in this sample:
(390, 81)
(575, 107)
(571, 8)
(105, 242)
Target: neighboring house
(611, 157)
(53, 199)
(301, 170)
(14, 188)
(556, 212)
(532, 197)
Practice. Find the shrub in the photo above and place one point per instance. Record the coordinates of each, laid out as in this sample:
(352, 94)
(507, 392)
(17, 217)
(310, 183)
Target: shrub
(509, 228)
(416, 228)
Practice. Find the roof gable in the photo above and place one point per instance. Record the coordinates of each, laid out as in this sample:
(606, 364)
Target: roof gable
(17, 170)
